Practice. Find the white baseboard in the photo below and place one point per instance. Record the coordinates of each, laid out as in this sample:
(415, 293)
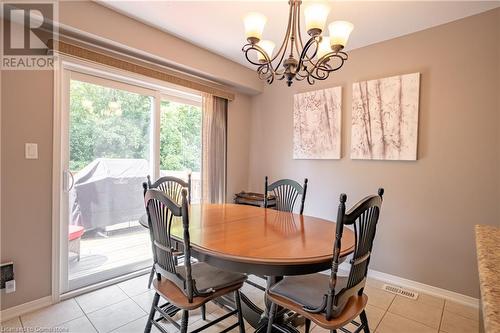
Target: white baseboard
(419, 287)
(24, 308)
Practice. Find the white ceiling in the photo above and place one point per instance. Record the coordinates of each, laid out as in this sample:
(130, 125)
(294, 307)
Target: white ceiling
(218, 26)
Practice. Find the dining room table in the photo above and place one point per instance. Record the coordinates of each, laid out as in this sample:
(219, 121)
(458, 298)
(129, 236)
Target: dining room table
(263, 242)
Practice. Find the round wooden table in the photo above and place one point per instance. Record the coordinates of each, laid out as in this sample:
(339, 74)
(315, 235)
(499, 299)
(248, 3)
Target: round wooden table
(262, 242)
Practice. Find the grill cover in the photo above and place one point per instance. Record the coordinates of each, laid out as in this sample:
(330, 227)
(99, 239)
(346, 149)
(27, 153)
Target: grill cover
(108, 191)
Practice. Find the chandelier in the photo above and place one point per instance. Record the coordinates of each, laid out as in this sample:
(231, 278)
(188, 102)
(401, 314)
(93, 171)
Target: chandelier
(314, 60)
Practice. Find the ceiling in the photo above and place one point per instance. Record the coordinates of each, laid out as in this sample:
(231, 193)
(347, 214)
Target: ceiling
(218, 25)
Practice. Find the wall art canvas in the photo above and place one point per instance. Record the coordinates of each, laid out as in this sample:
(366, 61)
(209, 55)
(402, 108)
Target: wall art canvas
(317, 123)
(385, 118)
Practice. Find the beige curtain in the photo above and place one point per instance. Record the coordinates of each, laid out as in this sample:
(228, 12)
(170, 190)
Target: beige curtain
(213, 167)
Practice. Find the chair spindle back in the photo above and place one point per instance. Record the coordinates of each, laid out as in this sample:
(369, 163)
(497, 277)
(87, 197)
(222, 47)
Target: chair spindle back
(162, 211)
(286, 192)
(172, 186)
(363, 217)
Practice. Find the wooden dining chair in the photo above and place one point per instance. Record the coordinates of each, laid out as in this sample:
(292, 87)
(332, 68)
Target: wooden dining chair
(334, 301)
(191, 285)
(286, 192)
(171, 186)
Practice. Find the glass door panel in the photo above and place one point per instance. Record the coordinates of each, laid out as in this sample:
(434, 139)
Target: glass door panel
(109, 127)
(180, 143)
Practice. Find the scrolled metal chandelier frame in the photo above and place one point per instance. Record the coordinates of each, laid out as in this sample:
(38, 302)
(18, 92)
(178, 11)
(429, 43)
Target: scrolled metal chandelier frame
(310, 65)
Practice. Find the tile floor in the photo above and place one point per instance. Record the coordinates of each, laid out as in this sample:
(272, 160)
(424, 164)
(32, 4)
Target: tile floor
(123, 308)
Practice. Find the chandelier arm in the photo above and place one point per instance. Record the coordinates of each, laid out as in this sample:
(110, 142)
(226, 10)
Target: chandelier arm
(257, 48)
(300, 33)
(303, 55)
(306, 67)
(282, 54)
(323, 62)
(292, 34)
(266, 72)
(285, 40)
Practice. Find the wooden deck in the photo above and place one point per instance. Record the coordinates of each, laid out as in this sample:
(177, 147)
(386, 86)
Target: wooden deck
(130, 247)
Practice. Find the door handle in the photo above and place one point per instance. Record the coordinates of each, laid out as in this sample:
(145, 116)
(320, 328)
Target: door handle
(68, 175)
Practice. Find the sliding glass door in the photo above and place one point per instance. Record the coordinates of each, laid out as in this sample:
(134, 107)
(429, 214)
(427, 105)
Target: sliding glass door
(114, 134)
(109, 156)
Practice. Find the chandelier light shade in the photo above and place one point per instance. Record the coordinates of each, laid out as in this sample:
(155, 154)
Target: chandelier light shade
(254, 26)
(316, 16)
(323, 47)
(295, 60)
(339, 33)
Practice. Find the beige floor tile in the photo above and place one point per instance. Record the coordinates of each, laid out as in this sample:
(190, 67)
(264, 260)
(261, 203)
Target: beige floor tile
(53, 315)
(462, 310)
(136, 326)
(217, 327)
(145, 300)
(12, 323)
(453, 323)
(419, 310)
(100, 298)
(136, 286)
(116, 315)
(379, 298)
(374, 315)
(392, 323)
(431, 300)
(317, 329)
(79, 325)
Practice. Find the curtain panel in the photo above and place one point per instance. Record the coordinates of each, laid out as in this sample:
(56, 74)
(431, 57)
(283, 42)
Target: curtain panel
(214, 149)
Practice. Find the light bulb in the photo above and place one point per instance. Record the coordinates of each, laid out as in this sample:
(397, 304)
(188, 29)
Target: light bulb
(315, 16)
(339, 34)
(268, 47)
(323, 47)
(254, 26)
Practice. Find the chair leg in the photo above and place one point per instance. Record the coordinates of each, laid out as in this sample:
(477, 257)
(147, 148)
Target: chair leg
(151, 276)
(237, 300)
(308, 325)
(203, 312)
(184, 321)
(270, 321)
(364, 321)
(151, 317)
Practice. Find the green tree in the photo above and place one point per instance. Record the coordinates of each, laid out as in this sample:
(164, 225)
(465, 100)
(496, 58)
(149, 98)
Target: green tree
(111, 123)
(180, 137)
(107, 123)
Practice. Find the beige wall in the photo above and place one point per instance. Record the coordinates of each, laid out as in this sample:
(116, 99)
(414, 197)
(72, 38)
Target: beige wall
(431, 205)
(26, 227)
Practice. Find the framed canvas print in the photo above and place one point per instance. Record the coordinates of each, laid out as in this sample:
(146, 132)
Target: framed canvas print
(317, 124)
(385, 118)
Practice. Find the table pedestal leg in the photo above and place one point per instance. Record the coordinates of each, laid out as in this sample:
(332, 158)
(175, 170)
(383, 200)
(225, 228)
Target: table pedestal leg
(280, 326)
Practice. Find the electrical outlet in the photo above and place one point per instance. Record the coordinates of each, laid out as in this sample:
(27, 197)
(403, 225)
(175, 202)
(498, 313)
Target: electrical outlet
(6, 273)
(10, 286)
